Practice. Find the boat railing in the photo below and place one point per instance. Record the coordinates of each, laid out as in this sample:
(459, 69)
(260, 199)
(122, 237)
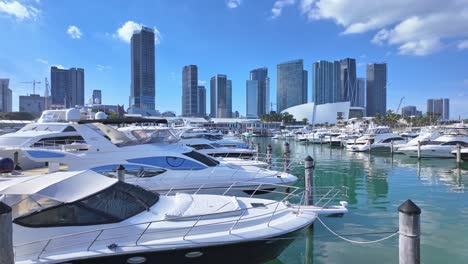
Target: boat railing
(61, 144)
(144, 228)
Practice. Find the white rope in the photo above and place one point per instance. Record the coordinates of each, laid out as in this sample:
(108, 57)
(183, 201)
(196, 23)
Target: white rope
(355, 241)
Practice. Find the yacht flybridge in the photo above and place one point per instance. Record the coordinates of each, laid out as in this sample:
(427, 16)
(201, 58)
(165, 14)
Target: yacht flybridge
(85, 217)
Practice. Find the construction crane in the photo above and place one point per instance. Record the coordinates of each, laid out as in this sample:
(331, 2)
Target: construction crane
(399, 105)
(34, 82)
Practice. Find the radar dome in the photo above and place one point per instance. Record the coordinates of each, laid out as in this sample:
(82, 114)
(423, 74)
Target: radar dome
(72, 115)
(100, 116)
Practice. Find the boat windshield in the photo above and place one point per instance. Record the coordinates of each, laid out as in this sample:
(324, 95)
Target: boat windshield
(44, 127)
(112, 205)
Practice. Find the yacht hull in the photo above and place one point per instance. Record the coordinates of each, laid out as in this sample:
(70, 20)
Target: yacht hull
(258, 251)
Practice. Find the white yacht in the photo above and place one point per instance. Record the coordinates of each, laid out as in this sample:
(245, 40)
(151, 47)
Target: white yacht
(85, 217)
(425, 136)
(180, 165)
(379, 139)
(53, 130)
(463, 152)
(441, 147)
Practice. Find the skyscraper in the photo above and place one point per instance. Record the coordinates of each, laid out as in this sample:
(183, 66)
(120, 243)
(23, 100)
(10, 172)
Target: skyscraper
(201, 101)
(263, 90)
(376, 85)
(439, 106)
(291, 84)
(326, 82)
(97, 97)
(409, 110)
(221, 96)
(190, 90)
(229, 98)
(67, 86)
(252, 87)
(348, 83)
(361, 92)
(33, 103)
(5, 96)
(142, 63)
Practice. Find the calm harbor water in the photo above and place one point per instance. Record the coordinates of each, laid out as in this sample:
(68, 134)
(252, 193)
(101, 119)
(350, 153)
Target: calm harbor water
(378, 184)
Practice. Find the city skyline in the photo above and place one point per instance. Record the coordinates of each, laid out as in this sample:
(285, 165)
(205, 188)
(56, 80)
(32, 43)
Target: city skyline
(103, 45)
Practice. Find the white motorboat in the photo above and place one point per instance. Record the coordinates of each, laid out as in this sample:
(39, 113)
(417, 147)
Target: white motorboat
(426, 135)
(441, 147)
(85, 217)
(379, 139)
(181, 165)
(51, 131)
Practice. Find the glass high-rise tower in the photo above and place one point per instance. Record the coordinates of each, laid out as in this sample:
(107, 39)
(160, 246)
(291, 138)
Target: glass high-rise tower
(190, 91)
(67, 86)
(262, 100)
(326, 82)
(220, 96)
(291, 84)
(376, 89)
(143, 75)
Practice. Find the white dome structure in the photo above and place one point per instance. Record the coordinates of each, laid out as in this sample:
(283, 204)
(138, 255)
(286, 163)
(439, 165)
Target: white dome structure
(324, 113)
(100, 116)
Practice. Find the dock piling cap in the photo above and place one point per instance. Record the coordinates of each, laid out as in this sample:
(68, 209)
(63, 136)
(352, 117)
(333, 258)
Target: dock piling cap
(309, 158)
(4, 209)
(410, 208)
(120, 167)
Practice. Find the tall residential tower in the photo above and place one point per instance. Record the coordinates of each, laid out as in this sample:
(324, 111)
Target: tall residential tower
(291, 84)
(376, 88)
(190, 91)
(67, 86)
(142, 63)
(220, 96)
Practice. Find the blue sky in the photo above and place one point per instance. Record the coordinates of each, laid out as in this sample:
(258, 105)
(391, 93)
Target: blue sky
(425, 43)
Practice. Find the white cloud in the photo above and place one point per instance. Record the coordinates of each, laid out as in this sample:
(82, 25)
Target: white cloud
(18, 10)
(125, 32)
(416, 27)
(74, 32)
(233, 3)
(279, 5)
(103, 68)
(463, 44)
(42, 61)
(60, 66)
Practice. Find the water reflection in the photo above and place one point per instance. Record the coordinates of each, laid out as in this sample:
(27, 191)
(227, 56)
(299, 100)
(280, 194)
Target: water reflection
(378, 184)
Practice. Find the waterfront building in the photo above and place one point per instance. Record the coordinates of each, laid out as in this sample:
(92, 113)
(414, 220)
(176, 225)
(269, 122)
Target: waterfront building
(439, 106)
(252, 87)
(263, 90)
(220, 96)
(201, 101)
(324, 113)
(6, 96)
(190, 91)
(142, 94)
(348, 82)
(67, 86)
(409, 110)
(97, 97)
(291, 84)
(326, 82)
(33, 103)
(376, 89)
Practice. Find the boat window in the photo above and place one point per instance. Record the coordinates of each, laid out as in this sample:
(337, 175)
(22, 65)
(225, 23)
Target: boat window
(388, 140)
(54, 141)
(201, 146)
(168, 162)
(207, 160)
(131, 170)
(454, 143)
(69, 129)
(114, 204)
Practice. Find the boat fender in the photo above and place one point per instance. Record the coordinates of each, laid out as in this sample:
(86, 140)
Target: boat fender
(7, 165)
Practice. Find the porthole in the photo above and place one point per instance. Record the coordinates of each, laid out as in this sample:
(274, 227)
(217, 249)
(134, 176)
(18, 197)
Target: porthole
(194, 254)
(136, 260)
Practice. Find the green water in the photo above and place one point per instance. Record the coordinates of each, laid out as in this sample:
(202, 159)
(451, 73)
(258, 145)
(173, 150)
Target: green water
(378, 184)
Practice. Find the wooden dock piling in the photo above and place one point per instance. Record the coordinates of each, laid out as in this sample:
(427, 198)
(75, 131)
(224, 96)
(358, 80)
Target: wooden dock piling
(6, 235)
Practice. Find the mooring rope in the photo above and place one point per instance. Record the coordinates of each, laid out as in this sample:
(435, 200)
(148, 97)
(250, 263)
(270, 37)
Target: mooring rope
(356, 241)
